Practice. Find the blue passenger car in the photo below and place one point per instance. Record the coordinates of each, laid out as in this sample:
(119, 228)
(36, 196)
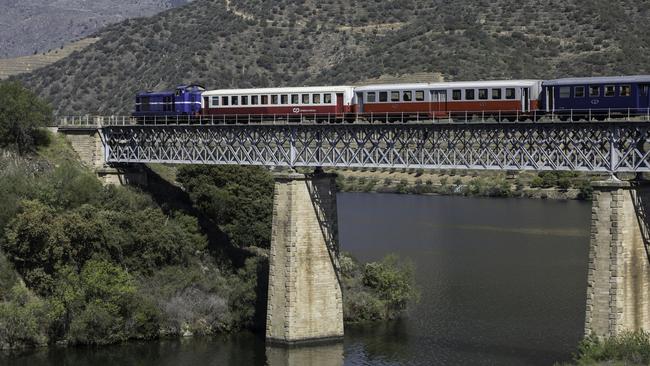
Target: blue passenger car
(184, 100)
(597, 96)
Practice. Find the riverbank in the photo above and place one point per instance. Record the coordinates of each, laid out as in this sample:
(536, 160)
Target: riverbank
(545, 185)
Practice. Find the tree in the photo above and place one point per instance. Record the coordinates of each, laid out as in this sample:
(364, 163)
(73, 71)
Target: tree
(22, 113)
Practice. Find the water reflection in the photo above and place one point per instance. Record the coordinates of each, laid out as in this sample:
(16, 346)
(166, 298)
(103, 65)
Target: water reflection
(330, 354)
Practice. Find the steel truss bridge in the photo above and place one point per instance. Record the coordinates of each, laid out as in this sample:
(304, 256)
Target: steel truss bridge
(602, 147)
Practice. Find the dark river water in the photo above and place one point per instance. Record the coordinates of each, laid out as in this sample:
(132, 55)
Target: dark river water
(503, 282)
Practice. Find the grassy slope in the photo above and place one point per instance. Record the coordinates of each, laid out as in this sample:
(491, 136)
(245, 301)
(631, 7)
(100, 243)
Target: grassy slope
(243, 43)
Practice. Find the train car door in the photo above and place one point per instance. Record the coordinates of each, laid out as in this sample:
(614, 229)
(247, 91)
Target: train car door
(525, 99)
(644, 96)
(439, 100)
(340, 108)
(359, 102)
(549, 94)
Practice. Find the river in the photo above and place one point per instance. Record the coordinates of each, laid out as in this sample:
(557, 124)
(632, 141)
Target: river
(503, 282)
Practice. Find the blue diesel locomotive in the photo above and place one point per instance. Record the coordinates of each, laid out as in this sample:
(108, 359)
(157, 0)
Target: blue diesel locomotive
(185, 100)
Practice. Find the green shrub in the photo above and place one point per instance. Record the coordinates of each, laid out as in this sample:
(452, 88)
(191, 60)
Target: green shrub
(632, 347)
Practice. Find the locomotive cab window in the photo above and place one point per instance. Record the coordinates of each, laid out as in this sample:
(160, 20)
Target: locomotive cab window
(594, 91)
(305, 99)
(482, 94)
(579, 92)
(254, 100)
(496, 93)
(626, 90)
(407, 96)
(316, 99)
(469, 94)
(419, 95)
(224, 100)
(371, 97)
(610, 90)
(565, 92)
(327, 98)
(456, 94)
(510, 93)
(383, 96)
(394, 96)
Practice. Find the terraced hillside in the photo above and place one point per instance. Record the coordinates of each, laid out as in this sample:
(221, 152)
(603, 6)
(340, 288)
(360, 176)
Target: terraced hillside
(245, 43)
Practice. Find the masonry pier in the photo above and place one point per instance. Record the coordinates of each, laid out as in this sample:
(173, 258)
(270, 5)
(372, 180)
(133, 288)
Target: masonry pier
(88, 144)
(618, 292)
(304, 299)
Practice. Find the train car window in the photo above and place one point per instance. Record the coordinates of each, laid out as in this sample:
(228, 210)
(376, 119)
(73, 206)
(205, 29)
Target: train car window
(284, 99)
(294, 98)
(327, 98)
(456, 94)
(419, 95)
(383, 96)
(215, 102)
(626, 90)
(244, 100)
(594, 90)
(371, 97)
(178, 92)
(565, 92)
(274, 99)
(265, 99)
(610, 90)
(407, 96)
(482, 94)
(510, 93)
(316, 99)
(579, 92)
(224, 100)
(394, 96)
(234, 100)
(469, 94)
(645, 89)
(305, 99)
(496, 93)
(254, 100)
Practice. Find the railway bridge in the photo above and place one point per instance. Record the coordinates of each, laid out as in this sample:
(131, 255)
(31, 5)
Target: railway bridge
(304, 302)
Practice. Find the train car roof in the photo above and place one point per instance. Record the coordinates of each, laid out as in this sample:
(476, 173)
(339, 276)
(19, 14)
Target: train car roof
(450, 84)
(302, 89)
(599, 80)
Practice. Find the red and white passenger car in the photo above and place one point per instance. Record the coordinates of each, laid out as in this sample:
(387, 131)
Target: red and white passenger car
(319, 102)
(448, 99)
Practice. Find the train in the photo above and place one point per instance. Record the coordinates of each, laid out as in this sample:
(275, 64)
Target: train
(568, 98)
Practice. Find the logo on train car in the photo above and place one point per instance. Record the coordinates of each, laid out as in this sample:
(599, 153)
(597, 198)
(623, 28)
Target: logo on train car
(595, 101)
(298, 110)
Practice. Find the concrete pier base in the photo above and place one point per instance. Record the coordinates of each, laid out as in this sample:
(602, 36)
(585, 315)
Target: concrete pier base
(304, 296)
(618, 292)
(322, 355)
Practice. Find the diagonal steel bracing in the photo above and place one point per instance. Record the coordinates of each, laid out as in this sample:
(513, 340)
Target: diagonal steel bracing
(596, 147)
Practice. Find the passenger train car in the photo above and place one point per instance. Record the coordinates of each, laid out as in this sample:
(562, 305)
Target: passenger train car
(510, 99)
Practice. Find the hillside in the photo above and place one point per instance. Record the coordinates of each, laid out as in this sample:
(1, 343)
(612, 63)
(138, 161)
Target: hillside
(245, 43)
(23, 64)
(32, 26)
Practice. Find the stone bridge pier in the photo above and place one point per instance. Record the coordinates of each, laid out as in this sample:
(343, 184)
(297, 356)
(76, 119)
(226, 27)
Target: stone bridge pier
(618, 292)
(304, 299)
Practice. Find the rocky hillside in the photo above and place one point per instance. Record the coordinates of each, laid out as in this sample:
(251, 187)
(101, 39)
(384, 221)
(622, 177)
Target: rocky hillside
(244, 43)
(36, 26)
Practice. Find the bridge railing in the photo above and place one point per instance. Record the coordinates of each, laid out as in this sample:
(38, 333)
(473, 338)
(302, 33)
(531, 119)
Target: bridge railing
(487, 116)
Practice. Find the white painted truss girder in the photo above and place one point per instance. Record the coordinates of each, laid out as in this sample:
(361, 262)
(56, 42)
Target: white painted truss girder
(592, 147)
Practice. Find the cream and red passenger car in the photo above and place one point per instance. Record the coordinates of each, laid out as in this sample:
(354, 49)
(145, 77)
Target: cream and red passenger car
(318, 102)
(444, 99)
